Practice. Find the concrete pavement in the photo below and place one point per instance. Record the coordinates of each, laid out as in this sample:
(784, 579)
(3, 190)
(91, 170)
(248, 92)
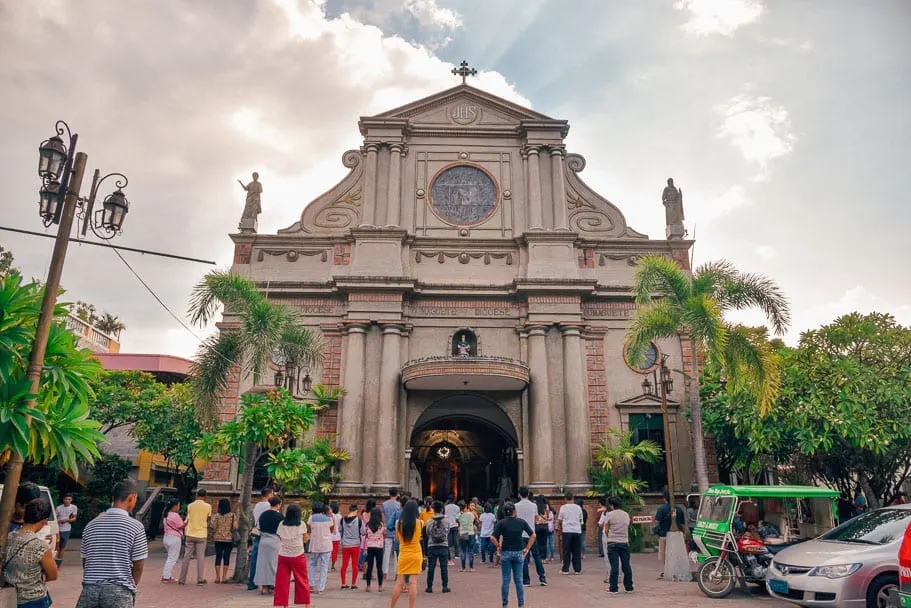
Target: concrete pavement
(474, 589)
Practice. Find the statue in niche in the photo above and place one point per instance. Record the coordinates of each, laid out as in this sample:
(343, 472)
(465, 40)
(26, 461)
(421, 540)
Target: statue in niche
(415, 483)
(672, 199)
(252, 206)
(463, 348)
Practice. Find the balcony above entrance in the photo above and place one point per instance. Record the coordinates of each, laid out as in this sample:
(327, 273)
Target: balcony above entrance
(465, 373)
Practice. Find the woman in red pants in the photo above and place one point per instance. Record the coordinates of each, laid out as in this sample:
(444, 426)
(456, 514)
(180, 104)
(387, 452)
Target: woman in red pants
(351, 528)
(292, 561)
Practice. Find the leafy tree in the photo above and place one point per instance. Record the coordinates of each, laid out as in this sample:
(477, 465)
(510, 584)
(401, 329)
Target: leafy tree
(616, 457)
(6, 262)
(267, 424)
(310, 470)
(845, 395)
(672, 302)
(110, 324)
(121, 397)
(58, 430)
(86, 312)
(168, 426)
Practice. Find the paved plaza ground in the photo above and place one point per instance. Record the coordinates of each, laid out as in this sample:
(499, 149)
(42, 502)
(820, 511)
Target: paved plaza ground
(477, 589)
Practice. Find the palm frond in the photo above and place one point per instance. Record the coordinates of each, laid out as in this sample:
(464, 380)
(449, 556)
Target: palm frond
(755, 290)
(301, 345)
(652, 321)
(221, 288)
(210, 373)
(659, 275)
(709, 276)
(262, 327)
(752, 365)
(701, 316)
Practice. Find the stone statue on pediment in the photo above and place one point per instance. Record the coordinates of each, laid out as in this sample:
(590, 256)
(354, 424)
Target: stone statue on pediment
(672, 199)
(252, 206)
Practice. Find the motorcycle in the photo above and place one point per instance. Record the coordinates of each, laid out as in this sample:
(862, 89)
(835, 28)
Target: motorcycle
(745, 560)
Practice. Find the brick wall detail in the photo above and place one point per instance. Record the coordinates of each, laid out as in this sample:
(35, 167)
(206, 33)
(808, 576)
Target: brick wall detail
(327, 420)
(586, 258)
(597, 388)
(242, 253)
(342, 254)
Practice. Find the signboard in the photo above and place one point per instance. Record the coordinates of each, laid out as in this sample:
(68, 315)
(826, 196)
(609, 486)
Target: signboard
(643, 519)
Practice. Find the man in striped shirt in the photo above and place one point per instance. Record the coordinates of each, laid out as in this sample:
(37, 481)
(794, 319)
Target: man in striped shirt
(114, 548)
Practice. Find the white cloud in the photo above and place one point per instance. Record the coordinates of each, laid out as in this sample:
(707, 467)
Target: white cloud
(719, 16)
(765, 252)
(856, 299)
(429, 13)
(759, 128)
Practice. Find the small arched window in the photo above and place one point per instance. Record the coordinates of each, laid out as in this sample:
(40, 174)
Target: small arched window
(464, 343)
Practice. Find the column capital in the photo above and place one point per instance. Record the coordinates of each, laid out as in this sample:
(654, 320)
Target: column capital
(558, 151)
(536, 330)
(531, 149)
(393, 328)
(572, 329)
(356, 327)
(402, 149)
(371, 147)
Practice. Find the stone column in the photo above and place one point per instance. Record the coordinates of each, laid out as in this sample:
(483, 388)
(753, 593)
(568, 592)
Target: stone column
(394, 197)
(369, 214)
(535, 211)
(541, 439)
(578, 456)
(350, 437)
(559, 189)
(388, 411)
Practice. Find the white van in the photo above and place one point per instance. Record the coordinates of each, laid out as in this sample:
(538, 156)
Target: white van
(51, 531)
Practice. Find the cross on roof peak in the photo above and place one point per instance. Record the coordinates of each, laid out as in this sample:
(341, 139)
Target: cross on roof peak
(464, 71)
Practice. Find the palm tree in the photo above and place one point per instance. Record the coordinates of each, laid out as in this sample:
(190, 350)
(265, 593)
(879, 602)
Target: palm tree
(110, 324)
(259, 330)
(616, 458)
(671, 301)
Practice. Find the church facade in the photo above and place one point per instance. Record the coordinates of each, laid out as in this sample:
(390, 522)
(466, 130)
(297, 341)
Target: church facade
(473, 294)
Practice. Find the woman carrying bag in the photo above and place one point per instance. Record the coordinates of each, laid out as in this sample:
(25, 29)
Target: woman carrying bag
(223, 526)
(26, 562)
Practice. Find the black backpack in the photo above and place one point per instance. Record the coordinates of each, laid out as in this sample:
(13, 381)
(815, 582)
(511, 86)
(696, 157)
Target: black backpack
(439, 535)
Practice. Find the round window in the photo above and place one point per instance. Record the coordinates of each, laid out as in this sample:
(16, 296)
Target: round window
(648, 364)
(463, 195)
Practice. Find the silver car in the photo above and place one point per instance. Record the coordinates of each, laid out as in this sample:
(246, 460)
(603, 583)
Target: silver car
(851, 566)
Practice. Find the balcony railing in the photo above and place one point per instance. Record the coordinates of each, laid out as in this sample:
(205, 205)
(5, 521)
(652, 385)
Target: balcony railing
(89, 336)
(465, 373)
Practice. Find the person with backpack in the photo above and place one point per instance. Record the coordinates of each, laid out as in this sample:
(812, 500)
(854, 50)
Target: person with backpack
(352, 527)
(436, 535)
(375, 540)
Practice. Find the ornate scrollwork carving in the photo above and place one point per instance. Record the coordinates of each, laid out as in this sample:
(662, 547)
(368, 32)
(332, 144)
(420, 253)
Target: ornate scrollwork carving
(293, 254)
(631, 258)
(351, 158)
(586, 217)
(342, 213)
(464, 257)
(575, 162)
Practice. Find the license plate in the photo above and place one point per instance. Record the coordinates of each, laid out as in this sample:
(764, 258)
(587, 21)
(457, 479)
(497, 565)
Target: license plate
(780, 587)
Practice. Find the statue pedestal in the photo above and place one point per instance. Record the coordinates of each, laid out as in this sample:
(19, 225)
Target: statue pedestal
(675, 231)
(248, 224)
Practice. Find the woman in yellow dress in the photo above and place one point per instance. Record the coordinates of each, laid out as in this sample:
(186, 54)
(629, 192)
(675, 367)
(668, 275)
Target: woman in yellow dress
(411, 556)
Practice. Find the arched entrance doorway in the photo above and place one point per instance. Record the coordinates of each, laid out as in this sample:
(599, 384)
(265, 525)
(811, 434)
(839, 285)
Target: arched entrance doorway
(465, 446)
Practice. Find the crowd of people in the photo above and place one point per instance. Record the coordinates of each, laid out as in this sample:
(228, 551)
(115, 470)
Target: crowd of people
(379, 543)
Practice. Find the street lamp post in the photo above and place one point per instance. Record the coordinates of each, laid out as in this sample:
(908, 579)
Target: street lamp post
(289, 376)
(61, 169)
(666, 385)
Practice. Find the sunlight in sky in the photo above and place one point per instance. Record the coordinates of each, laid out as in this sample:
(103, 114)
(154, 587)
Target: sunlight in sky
(719, 16)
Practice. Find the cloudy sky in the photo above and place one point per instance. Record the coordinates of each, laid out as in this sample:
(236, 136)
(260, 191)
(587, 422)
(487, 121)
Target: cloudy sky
(787, 124)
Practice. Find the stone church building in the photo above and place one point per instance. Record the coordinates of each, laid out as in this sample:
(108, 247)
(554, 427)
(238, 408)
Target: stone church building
(472, 293)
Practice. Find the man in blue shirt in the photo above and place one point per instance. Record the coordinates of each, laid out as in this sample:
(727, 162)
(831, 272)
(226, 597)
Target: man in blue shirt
(390, 509)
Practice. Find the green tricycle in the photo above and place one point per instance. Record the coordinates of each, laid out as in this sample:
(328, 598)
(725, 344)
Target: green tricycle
(739, 528)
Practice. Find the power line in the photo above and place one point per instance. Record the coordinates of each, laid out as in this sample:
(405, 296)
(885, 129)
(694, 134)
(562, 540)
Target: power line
(154, 295)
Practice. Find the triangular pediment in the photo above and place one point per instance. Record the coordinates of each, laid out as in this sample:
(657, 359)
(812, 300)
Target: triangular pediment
(463, 105)
(647, 400)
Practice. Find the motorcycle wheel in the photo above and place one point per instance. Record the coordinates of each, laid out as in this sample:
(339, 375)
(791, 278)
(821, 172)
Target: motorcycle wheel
(716, 578)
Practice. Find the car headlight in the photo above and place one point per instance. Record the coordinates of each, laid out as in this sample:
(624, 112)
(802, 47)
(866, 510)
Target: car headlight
(837, 571)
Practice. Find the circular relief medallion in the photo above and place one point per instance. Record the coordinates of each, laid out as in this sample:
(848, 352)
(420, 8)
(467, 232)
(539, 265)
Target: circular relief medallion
(650, 362)
(463, 195)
